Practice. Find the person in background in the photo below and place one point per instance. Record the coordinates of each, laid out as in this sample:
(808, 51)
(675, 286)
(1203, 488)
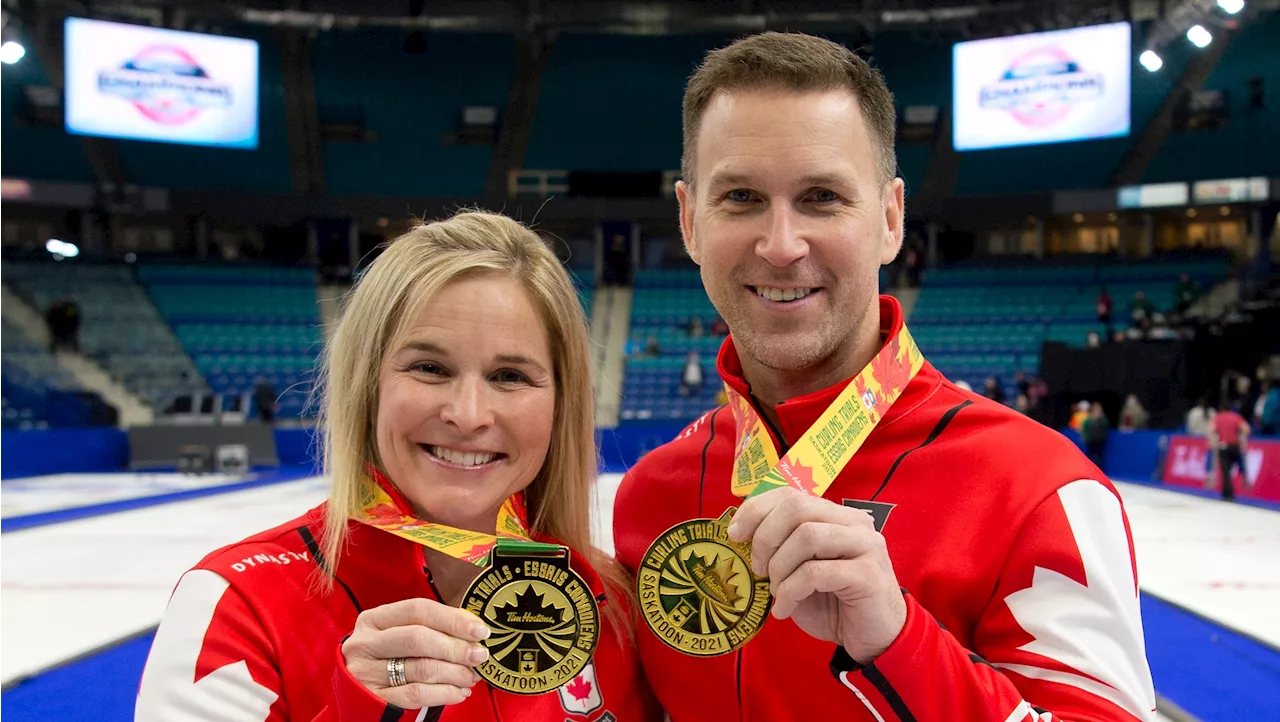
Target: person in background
(264, 397)
(1184, 294)
(695, 327)
(1140, 310)
(1024, 385)
(63, 320)
(1229, 436)
(719, 327)
(1268, 409)
(457, 393)
(993, 390)
(1132, 415)
(691, 377)
(1103, 308)
(651, 347)
(1079, 415)
(1022, 404)
(1200, 418)
(1094, 432)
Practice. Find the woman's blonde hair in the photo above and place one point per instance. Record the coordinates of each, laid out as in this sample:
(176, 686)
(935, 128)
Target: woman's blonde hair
(410, 271)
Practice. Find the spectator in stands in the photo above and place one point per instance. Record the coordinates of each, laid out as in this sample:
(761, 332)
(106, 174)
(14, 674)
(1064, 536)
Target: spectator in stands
(994, 390)
(457, 402)
(1140, 309)
(63, 320)
(1092, 340)
(651, 347)
(691, 377)
(1024, 385)
(961, 383)
(1094, 432)
(1229, 436)
(1132, 414)
(1022, 404)
(695, 327)
(719, 327)
(1200, 418)
(1078, 416)
(1184, 294)
(1267, 411)
(1103, 307)
(264, 397)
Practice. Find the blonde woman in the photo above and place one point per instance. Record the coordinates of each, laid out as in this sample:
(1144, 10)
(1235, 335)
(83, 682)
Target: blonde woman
(456, 391)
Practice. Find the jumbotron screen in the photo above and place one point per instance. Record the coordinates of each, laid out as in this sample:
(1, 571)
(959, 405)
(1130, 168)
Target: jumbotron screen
(144, 83)
(1049, 87)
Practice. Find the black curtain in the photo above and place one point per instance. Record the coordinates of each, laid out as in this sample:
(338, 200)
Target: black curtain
(1156, 371)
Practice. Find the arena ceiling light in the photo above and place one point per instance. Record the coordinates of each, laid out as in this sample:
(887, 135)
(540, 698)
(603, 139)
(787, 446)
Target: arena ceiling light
(1150, 60)
(11, 52)
(1231, 7)
(61, 249)
(1198, 36)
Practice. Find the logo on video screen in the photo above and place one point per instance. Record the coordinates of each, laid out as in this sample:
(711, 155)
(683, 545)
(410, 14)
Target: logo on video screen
(166, 84)
(1041, 87)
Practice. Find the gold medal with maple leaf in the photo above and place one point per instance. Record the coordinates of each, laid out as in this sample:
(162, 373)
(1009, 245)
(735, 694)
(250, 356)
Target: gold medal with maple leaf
(697, 591)
(543, 618)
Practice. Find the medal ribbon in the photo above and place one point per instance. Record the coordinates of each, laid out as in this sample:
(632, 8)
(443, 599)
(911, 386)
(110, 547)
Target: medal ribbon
(814, 462)
(379, 510)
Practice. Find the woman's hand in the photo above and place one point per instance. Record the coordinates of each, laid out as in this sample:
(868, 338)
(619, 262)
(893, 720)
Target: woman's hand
(439, 646)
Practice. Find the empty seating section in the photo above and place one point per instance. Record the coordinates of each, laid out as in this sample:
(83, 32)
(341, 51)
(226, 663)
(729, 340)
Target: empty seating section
(980, 322)
(409, 104)
(37, 392)
(242, 325)
(119, 327)
(663, 305)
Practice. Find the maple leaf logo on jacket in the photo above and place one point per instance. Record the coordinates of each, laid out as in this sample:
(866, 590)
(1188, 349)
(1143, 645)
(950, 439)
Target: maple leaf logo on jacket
(582, 694)
(579, 688)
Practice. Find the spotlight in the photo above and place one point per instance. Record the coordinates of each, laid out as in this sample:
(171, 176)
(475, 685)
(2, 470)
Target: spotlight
(61, 249)
(1150, 61)
(1231, 7)
(11, 52)
(1198, 36)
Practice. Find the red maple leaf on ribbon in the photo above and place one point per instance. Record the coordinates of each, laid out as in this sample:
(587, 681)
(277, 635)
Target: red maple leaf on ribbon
(892, 370)
(797, 475)
(579, 687)
(385, 513)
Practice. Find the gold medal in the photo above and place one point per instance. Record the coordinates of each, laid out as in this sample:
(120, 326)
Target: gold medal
(697, 591)
(696, 587)
(543, 618)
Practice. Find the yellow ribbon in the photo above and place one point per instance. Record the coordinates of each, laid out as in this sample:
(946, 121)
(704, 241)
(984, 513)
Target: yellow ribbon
(817, 458)
(379, 510)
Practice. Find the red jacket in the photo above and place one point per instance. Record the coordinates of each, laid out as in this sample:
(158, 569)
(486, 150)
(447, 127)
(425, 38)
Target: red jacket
(248, 637)
(1013, 550)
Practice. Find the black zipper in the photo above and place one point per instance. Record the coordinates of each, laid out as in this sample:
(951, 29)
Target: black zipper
(759, 407)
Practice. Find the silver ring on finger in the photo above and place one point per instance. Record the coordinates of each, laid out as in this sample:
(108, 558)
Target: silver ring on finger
(395, 672)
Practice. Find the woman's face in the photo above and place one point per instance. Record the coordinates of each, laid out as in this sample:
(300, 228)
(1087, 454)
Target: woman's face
(466, 399)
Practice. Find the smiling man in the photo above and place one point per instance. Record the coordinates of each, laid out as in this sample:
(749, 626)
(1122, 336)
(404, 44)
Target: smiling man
(929, 554)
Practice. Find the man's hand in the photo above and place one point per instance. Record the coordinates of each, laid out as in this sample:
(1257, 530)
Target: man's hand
(828, 568)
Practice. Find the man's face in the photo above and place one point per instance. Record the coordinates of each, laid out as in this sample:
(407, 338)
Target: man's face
(790, 223)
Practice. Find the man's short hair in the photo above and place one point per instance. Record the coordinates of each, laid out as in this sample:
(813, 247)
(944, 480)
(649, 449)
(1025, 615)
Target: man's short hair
(794, 62)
